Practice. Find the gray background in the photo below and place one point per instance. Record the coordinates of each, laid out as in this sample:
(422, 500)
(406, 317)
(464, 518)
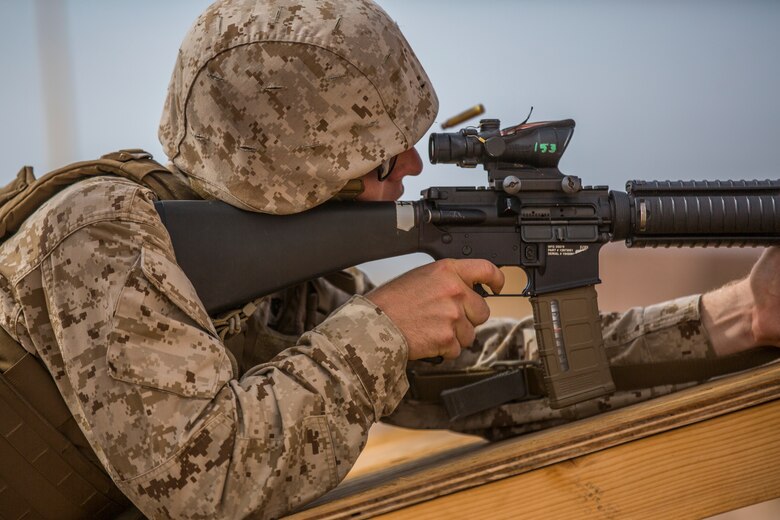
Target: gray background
(659, 90)
(681, 90)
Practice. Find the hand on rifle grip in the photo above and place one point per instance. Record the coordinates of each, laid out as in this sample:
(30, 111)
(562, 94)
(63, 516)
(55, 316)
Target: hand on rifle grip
(436, 306)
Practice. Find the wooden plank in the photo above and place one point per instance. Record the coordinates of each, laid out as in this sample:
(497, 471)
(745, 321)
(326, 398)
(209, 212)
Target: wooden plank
(473, 466)
(691, 472)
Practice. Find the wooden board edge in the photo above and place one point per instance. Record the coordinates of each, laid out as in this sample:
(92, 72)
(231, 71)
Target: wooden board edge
(685, 473)
(523, 454)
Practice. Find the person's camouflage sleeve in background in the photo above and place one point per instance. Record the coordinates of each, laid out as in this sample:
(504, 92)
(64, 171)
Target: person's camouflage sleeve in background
(89, 283)
(667, 331)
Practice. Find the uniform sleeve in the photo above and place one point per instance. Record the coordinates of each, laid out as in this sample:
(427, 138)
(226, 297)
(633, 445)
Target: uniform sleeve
(152, 387)
(668, 331)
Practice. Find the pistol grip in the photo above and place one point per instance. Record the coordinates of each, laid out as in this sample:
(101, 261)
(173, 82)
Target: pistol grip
(568, 331)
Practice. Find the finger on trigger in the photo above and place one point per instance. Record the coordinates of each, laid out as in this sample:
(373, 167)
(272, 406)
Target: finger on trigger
(481, 271)
(497, 281)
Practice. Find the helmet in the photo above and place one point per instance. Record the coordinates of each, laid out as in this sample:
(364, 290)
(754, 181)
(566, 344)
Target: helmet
(274, 105)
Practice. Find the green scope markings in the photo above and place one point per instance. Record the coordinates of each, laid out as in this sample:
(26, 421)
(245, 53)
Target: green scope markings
(545, 147)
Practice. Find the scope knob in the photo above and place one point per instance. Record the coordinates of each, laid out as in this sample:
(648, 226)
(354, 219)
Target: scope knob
(571, 184)
(511, 185)
(488, 125)
(495, 146)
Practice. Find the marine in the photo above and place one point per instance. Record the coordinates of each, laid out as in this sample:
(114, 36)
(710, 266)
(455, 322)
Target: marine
(275, 106)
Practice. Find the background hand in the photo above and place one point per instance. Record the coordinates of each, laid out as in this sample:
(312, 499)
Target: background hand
(746, 314)
(764, 281)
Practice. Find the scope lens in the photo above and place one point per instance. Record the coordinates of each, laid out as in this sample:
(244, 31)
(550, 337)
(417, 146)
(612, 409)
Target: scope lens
(440, 148)
(447, 148)
(432, 149)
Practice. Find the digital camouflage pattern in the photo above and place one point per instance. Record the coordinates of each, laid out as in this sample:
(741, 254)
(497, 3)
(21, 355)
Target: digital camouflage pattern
(90, 285)
(273, 106)
(263, 328)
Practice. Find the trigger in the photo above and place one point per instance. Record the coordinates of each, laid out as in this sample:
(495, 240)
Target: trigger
(480, 289)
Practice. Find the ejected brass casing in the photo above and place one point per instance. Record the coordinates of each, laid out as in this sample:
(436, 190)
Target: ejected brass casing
(476, 110)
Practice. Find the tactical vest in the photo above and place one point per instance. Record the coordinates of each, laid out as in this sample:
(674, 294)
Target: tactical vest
(47, 468)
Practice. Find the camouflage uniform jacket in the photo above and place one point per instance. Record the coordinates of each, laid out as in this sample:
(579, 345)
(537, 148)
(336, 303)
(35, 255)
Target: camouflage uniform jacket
(89, 284)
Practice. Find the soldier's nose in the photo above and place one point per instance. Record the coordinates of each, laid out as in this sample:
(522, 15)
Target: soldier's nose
(407, 163)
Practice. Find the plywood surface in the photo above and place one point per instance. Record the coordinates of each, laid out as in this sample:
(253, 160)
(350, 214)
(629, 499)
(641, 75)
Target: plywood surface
(702, 469)
(473, 465)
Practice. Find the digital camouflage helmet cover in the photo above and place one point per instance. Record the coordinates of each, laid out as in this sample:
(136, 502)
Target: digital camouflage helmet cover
(274, 106)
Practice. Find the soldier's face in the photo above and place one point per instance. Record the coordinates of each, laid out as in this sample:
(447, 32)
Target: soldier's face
(406, 163)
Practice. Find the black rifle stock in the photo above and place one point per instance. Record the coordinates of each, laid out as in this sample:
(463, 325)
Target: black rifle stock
(530, 215)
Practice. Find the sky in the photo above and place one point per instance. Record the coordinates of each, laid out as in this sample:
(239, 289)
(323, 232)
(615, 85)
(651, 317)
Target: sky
(659, 90)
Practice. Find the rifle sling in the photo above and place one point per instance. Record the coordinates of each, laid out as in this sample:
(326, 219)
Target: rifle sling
(466, 393)
(501, 387)
(634, 377)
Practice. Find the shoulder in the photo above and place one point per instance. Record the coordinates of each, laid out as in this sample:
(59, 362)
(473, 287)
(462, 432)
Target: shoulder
(85, 203)
(93, 200)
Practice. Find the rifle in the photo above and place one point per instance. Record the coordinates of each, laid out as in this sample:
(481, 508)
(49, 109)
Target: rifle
(529, 215)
